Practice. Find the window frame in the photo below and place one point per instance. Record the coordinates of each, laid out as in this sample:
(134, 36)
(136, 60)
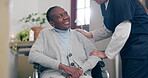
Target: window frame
(74, 15)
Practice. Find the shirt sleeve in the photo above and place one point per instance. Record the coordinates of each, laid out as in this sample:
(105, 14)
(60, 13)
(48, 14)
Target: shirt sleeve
(118, 39)
(88, 46)
(101, 34)
(37, 54)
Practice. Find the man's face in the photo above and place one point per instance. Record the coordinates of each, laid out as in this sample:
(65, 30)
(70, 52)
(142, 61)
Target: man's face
(60, 19)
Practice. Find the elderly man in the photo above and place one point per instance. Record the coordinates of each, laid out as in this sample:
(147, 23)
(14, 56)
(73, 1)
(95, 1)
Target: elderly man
(65, 52)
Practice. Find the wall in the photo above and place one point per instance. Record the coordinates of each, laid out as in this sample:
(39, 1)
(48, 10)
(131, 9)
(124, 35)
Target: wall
(43, 5)
(21, 8)
(96, 22)
(4, 30)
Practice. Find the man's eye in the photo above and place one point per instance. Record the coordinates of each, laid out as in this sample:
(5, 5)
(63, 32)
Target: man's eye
(59, 16)
(66, 13)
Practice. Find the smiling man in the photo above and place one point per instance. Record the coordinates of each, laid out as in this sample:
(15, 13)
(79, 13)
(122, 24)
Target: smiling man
(64, 52)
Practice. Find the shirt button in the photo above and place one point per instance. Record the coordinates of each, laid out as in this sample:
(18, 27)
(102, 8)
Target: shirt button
(72, 64)
(70, 55)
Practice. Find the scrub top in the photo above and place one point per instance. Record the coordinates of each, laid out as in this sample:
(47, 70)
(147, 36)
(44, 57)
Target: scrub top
(121, 10)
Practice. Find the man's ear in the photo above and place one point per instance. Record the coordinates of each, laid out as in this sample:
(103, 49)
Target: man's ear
(51, 23)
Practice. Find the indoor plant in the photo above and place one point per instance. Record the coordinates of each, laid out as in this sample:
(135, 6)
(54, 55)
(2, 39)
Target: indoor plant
(35, 20)
(23, 36)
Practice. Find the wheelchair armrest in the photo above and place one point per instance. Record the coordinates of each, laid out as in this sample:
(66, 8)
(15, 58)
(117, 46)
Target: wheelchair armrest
(39, 68)
(101, 63)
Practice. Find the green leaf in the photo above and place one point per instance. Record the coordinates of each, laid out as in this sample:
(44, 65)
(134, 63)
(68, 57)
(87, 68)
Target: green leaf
(39, 18)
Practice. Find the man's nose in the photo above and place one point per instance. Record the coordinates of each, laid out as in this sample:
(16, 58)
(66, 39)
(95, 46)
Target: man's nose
(66, 16)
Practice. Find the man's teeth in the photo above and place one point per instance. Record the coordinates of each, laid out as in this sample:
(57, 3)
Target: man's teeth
(66, 23)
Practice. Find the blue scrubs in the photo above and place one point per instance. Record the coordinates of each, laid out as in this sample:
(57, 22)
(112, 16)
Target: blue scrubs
(134, 54)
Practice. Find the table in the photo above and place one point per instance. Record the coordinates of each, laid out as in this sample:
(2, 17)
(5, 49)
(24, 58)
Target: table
(23, 47)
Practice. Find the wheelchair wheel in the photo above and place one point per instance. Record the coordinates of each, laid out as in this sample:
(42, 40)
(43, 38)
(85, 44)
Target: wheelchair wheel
(105, 73)
(35, 74)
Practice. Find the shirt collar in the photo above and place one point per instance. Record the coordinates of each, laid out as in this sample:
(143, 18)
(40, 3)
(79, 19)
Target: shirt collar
(61, 31)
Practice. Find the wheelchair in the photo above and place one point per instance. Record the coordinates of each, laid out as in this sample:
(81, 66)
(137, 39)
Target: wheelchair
(105, 73)
(39, 69)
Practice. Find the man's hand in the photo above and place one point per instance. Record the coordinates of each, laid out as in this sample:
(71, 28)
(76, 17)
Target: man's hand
(69, 77)
(98, 54)
(74, 72)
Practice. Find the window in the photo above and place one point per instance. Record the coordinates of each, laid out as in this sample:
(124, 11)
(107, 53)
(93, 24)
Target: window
(83, 12)
(80, 14)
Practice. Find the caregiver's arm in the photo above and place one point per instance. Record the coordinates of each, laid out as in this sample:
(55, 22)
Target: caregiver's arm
(118, 39)
(98, 34)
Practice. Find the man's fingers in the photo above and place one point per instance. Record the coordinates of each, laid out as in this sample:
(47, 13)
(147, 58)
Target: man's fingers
(68, 77)
(77, 73)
